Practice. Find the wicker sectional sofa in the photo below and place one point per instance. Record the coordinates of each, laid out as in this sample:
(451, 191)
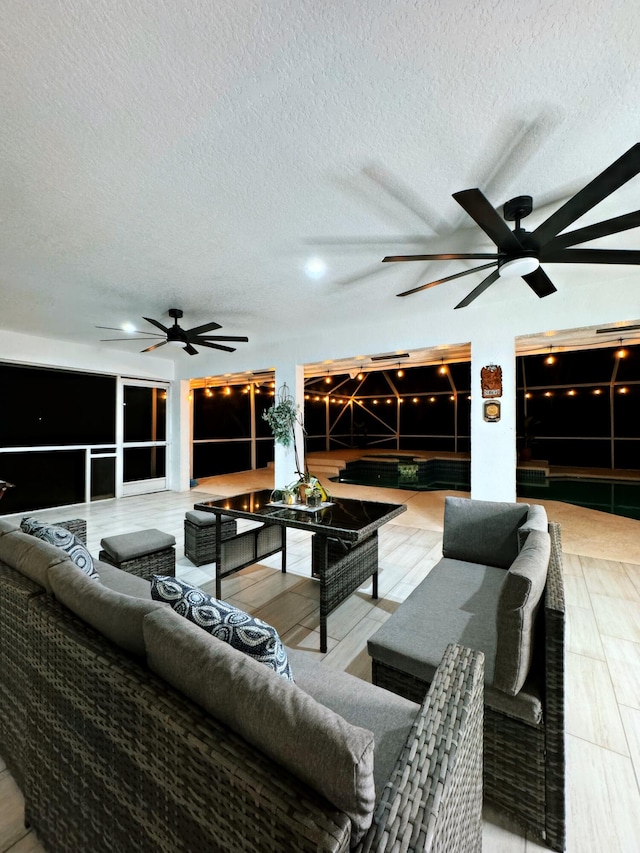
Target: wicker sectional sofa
(497, 588)
(127, 727)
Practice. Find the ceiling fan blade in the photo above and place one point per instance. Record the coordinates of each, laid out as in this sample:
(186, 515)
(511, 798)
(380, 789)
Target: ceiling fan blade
(216, 346)
(593, 232)
(132, 331)
(487, 282)
(191, 350)
(155, 346)
(613, 177)
(487, 217)
(104, 340)
(591, 256)
(447, 278)
(206, 327)
(221, 338)
(156, 323)
(452, 257)
(540, 283)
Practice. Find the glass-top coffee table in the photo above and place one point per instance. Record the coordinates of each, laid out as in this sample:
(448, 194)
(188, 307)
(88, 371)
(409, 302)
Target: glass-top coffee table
(344, 545)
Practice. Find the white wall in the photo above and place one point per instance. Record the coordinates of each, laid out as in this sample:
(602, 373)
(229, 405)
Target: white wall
(48, 352)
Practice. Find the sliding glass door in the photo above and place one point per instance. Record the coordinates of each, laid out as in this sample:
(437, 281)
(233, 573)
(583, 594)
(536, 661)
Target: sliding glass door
(143, 426)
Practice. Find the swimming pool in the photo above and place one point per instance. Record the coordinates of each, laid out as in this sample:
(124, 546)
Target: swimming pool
(619, 497)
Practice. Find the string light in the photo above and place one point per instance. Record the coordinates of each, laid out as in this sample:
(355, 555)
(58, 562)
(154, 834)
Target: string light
(550, 359)
(621, 353)
(572, 393)
(443, 367)
(360, 377)
(400, 372)
(415, 399)
(597, 390)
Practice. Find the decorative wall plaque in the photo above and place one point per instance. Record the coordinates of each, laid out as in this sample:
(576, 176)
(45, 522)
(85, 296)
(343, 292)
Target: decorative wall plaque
(492, 411)
(491, 380)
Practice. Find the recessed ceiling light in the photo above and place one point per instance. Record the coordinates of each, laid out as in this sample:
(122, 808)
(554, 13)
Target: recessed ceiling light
(315, 268)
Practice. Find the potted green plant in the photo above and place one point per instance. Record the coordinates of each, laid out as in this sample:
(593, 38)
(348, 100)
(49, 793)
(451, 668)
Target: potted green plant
(282, 417)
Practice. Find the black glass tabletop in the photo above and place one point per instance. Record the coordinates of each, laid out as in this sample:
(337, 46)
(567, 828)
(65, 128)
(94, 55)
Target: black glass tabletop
(347, 517)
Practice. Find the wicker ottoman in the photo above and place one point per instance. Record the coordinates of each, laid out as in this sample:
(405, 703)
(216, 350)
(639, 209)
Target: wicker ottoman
(200, 535)
(143, 553)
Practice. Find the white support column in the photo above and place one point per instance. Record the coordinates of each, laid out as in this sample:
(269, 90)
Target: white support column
(493, 444)
(284, 458)
(180, 426)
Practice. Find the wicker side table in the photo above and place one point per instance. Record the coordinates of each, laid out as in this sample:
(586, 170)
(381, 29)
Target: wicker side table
(143, 553)
(200, 535)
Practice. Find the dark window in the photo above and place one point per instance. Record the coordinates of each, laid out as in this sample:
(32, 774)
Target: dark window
(145, 413)
(55, 407)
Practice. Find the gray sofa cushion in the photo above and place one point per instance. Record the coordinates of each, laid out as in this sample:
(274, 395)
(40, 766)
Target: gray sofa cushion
(484, 532)
(536, 520)
(7, 526)
(120, 581)
(314, 743)
(526, 706)
(115, 615)
(386, 714)
(517, 607)
(415, 638)
(32, 557)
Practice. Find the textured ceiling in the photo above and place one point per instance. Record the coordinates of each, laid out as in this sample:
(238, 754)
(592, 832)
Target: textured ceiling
(197, 154)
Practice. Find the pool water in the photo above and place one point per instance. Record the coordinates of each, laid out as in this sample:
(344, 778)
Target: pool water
(619, 497)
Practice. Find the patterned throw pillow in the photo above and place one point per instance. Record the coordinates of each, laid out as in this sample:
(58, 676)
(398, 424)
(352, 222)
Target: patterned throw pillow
(226, 622)
(64, 539)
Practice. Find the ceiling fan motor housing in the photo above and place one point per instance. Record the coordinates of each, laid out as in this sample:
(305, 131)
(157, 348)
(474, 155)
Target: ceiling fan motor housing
(517, 208)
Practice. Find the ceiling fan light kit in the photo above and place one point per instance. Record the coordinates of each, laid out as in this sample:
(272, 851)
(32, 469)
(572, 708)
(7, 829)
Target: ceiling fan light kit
(518, 267)
(520, 252)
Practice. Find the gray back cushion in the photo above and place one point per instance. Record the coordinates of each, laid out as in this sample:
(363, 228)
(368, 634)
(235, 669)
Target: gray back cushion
(536, 520)
(115, 615)
(31, 557)
(7, 526)
(518, 604)
(482, 531)
(121, 581)
(314, 743)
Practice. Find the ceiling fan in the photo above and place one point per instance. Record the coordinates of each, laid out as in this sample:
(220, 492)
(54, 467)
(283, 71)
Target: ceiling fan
(520, 252)
(179, 337)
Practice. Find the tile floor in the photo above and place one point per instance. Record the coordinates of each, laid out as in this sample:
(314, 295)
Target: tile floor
(602, 574)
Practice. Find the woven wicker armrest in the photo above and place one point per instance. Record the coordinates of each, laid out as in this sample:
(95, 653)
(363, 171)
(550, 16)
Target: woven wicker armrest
(433, 800)
(75, 525)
